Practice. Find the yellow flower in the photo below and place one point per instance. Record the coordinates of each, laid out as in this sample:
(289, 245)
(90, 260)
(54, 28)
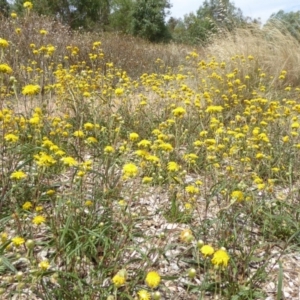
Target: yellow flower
(147, 179)
(18, 241)
(237, 195)
(78, 133)
(69, 161)
(43, 32)
(38, 220)
(5, 68)
(3, 237)
(119, 280)
(214, 109)
(188, 207)
(27, 5)
(27, 205)
(3, 43)
(31, 89)
(44, 160)
(86, 94)
(285, 139)
(220, 258)
(13, 15)
(88, 203)
(143, 295)
(130, 170)
(109, 149)
(179, 111)
(18, 175)
(152, 279)
(173, 166)
(207, 250)
(166, 147)
(186, 235)
(11, 138)
(39, 208)
(191, 189)
(50, 192)
(119, 91)
(44, 265)
(88, 126)
(133, 136)
(91, 140)
(144, 144)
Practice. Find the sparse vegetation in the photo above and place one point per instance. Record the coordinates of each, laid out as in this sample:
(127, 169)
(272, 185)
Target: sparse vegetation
(138, 171)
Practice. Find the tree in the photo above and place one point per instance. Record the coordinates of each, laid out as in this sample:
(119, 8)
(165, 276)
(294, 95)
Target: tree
(286, 21)
(212, 17)
(192, 30)
(148, 20)
(75, 13)
(223, 13)
(120, 18)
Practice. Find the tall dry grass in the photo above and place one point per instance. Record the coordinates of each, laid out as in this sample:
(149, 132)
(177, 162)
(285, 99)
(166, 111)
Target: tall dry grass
(128, 53)
(274, 49)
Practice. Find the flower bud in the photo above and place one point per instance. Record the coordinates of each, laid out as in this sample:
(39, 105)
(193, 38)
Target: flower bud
(191, 273)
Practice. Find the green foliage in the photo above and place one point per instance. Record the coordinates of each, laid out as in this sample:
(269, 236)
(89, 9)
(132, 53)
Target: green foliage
(148, 20)
(223, 13)
(88, 14)
(120, 17)
(212, 17)
(286, 21)
(193, 30)
(4, 8)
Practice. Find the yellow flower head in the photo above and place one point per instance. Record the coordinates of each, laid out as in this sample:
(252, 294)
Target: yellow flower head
(88, 126)
(147, 179)
(119, 91)
(214, 109)
(186, 235)
(5, 68)
(144, 144)
(44, 265)
(130, 170)
(3, 43)
(207, 250)
(119, 279)
(179, 111)
(152, 279)
(28, 5)
(143, 295)
(237, 195)
(38, 220)
(31, 89)
(18, 241)
(44, 160)
(190, 189)
(173, 166)
(220, 258)
(78, 133)
(109, 149)
(18, 175)
(11, 138)
(3, 237)
(43, 32)
(27, 205)
(69, 161)
(133, 136)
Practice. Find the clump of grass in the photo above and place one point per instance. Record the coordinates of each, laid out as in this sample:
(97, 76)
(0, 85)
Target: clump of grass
(266, 44)
(116, 187)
